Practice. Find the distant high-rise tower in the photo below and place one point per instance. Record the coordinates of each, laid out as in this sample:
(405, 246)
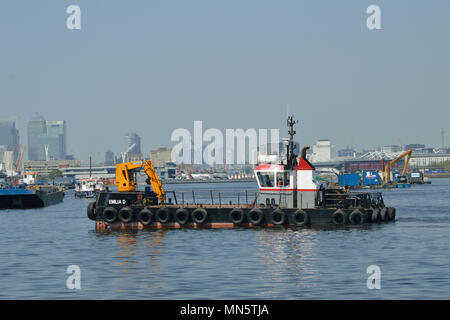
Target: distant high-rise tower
(133, 144)
(9, 137)
(56, 139)
(42, 133)
(109, 158)
(36, 127)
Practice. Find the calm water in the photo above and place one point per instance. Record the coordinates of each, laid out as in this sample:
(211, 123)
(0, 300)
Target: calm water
(37, 246)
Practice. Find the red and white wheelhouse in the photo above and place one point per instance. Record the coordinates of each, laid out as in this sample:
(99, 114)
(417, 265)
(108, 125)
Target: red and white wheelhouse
(291, 185)
(291, 188)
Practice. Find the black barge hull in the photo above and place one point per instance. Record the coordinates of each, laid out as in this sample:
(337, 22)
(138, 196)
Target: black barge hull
(177, 217)
(28, 201)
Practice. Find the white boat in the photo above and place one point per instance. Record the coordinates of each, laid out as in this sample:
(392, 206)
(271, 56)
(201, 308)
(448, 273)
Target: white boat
(89, 187)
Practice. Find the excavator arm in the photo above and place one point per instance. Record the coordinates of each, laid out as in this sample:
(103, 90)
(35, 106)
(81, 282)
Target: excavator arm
(155, 181)
(125, 177)
(387, 167)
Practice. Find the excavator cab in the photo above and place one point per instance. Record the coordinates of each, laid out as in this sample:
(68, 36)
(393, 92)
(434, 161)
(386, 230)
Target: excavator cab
(125, 178)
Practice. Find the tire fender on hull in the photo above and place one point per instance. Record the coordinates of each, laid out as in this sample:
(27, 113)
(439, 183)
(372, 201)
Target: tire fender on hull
(384, 214)
(278, 217)
(255, 216)
(163, 215)
(125, 214)
(110, 214)
(181, 216)
(356, 217)
(391, 213)
(302, 218)
(145, 216)
(199, 215)
(376, 216)
(339, 217)
(91, 210)
(237, 216)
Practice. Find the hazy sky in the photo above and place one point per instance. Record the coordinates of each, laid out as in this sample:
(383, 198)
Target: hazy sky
(153, 66)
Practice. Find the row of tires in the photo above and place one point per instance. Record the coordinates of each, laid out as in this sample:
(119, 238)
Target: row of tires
(357, 216)
(255, 216)
(200, 215)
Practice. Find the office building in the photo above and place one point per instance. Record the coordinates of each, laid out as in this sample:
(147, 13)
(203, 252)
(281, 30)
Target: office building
(36, 127)
(9, 137)
(46, 139)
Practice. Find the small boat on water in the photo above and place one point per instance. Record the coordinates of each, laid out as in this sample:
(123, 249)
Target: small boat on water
(26, 197)
(89, 187)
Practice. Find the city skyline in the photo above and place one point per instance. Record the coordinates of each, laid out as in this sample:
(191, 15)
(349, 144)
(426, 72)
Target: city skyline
(132, 144)
(164, 66)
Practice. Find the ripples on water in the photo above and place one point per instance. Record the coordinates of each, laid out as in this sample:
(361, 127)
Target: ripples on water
(36, 246)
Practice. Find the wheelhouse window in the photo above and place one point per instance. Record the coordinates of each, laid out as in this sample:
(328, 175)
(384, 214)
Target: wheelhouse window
(283, 179)
(266, 179)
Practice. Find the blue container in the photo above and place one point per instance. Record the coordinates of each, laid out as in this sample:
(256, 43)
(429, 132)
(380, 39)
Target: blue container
(395, 175)
(371, 178)
(349, 180)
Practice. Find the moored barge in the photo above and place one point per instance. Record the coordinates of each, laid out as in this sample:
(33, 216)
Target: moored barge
(30, 197)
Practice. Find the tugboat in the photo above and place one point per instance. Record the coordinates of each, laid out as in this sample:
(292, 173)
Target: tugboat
(89, 188)
(289, 195)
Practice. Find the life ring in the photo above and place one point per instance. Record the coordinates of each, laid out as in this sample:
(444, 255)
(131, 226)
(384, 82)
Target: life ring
(163, 215)
(376, 217)
(302, 218)
(110, 214)
(182, 216)
(391, 213)
(356, 217)
(338, 217)
(278, 217)
(145, 216)
(199, 215)
(91, 210)
(384, 214)
(237, 216)
(255, 216)
(125, 214)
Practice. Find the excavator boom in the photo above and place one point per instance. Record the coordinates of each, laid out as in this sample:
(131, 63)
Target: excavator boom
(387, 167)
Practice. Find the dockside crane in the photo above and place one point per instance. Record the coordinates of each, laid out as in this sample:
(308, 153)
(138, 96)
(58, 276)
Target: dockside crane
(125, 177)
(387, 166)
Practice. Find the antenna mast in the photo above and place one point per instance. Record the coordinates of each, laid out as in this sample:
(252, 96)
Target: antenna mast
(291, 157)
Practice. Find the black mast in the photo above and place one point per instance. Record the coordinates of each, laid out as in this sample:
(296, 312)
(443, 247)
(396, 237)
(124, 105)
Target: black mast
(291, 158)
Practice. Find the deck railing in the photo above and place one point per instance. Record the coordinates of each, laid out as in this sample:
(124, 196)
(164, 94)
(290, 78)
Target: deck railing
(213, 197)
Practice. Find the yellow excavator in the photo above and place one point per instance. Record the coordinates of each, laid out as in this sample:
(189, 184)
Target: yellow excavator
(387, 166)
(125, 177)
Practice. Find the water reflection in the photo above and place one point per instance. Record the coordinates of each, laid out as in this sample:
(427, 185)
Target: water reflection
(288, 255)
(138, 258)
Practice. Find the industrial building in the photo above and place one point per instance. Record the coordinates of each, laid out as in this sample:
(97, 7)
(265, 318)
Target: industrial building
(321, 151)
(45, 167)
(160, 156)
(103, 172)
(427, 157)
